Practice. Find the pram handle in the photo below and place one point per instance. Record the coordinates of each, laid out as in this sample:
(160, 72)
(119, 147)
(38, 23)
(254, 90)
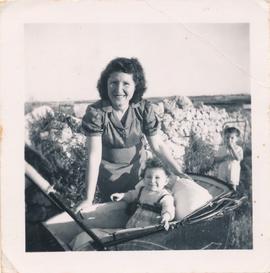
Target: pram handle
(45, 186)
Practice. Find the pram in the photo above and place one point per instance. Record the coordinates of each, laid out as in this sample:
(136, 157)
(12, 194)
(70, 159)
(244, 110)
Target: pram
(102, 226)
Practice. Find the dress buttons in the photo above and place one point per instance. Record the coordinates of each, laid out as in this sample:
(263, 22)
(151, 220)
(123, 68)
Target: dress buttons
(123, 133)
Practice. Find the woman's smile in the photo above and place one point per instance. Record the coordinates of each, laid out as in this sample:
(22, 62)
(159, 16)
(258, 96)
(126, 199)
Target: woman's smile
(121, 87)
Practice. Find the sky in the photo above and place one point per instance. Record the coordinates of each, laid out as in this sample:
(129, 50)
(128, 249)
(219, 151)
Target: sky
(63, 61)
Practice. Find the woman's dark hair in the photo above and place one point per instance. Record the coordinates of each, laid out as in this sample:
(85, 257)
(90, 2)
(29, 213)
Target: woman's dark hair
(154, 163)
(231, 130)
(125, 65)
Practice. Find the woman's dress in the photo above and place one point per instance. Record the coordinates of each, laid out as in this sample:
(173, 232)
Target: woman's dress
(122, 143)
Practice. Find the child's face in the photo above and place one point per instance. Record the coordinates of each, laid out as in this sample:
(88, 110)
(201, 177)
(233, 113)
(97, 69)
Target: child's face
(155, 179)
(231, 138)
(121, 88)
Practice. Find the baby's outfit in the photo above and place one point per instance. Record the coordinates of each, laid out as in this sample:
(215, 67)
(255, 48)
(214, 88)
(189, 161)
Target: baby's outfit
(151, 205)
(229, 170)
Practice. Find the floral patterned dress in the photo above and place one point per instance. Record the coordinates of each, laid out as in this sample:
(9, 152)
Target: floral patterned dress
(122, 146)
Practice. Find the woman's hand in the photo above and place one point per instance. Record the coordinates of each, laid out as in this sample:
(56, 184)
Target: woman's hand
(161, 150)
(183, 175)
(83, 206)
(117, 196)
(165, 218)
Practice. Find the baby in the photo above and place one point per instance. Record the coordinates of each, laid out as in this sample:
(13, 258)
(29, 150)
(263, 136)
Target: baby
(229, 157)
(155, 204)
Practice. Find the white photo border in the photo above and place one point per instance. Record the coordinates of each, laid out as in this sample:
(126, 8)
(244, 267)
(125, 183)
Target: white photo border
(14, 16)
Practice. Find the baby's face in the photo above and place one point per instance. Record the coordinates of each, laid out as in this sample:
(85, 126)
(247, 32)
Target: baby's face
(231, 138)
(155, 179)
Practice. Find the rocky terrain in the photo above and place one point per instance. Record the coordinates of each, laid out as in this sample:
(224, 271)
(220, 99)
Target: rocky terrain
(193, 132)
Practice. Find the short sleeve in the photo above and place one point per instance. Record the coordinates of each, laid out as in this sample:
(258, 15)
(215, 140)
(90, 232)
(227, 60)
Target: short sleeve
(92, 121)
(150, 120)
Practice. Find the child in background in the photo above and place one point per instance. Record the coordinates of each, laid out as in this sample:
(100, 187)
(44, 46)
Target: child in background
(229, 157)
(154, 204)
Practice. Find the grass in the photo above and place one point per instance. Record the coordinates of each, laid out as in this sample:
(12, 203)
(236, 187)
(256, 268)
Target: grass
(241, 236)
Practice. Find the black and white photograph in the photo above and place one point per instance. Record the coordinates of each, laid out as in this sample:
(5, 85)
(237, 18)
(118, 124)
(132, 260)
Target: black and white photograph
(163, 131)
(138, 136)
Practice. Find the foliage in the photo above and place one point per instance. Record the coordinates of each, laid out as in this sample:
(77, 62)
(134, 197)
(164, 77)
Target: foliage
(199, 156)
(192, 133)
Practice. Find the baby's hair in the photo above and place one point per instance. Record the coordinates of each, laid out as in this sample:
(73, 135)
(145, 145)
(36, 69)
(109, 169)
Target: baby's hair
(154, 163)
(125, 65)
(231, 130)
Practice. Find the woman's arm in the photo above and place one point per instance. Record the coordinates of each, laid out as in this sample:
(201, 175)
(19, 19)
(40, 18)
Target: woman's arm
(94, 148)
(158, 146)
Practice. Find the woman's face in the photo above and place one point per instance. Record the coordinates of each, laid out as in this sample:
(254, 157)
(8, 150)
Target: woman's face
(121, 87)
(155, 179)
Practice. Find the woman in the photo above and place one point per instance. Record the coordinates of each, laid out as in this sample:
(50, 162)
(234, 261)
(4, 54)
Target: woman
(114, 127)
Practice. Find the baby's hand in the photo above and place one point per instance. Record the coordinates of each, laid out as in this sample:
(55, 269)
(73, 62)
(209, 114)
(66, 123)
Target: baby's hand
(230, 145)
(165, 218)
(117, 196)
